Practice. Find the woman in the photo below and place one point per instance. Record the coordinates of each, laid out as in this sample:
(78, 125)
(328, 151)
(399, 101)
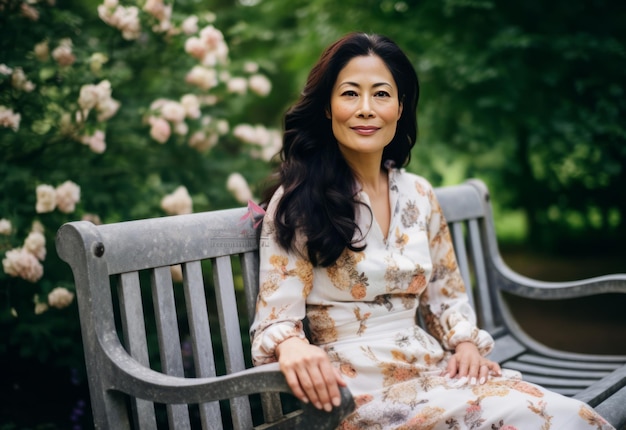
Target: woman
(354, 245)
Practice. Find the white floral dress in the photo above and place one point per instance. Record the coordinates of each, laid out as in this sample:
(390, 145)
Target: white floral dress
(362, 311)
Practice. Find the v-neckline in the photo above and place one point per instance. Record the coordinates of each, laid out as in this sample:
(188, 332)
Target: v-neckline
(392, 203)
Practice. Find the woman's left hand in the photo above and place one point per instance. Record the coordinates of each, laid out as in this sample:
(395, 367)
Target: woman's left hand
(466, 362)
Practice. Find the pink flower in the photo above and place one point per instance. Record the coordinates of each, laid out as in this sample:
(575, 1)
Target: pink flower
(63, 55)
(96, 142)
(156, 8)
(60, 298)
(195, 48)
(29, 12)
(160, 129)
(9, 119)
(19, 262)
(67, 195)
(46, 199)
(177, 203)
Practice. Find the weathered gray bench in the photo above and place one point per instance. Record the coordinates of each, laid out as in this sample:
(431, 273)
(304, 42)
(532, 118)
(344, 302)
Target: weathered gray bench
(155, 358)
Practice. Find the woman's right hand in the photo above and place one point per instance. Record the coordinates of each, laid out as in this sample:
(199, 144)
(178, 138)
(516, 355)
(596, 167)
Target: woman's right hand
(309, 373)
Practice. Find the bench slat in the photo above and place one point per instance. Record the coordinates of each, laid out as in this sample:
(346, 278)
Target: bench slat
(460, 250)
(169, 338)
(556, 363)
(231, 335)
(482, 283)
(134, 331)
(526, 368)
(200, 332)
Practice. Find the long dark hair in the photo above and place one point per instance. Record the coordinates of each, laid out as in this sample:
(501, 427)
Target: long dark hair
(319, 194)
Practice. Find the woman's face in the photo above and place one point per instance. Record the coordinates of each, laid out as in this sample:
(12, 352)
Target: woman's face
(364, 107)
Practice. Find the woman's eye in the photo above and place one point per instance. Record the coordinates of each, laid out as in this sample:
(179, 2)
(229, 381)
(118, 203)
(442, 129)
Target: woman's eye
(382, 94)
(349, 93)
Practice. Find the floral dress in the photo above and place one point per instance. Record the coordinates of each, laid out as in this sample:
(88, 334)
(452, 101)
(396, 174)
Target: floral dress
(362, 311)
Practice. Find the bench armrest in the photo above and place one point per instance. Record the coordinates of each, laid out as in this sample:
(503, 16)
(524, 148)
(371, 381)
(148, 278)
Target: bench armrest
(142, 382)
(508, 280)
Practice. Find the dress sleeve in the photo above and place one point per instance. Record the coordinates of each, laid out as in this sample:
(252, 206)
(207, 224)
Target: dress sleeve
(285, 279)
(444, 305)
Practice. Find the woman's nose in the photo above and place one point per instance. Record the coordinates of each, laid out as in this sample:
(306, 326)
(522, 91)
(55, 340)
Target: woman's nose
(365, 109)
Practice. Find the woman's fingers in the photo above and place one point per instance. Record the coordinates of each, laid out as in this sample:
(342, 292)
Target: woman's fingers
(310, 374)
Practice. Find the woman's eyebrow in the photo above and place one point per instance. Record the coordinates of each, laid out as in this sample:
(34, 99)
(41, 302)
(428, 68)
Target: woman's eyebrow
(354, 84)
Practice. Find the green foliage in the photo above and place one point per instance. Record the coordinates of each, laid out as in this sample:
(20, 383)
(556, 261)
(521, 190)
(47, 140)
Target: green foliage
(105, 142)
(528, 96)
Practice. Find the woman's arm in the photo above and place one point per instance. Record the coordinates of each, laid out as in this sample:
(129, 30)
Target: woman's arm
(277, 332)
(446, 308)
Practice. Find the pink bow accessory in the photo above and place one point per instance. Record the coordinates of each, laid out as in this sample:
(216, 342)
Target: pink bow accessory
(255, 214)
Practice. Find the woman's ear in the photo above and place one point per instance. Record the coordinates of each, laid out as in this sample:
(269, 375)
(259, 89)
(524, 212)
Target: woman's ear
(327, 112)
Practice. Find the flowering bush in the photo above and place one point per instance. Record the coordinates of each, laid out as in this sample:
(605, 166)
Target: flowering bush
(109, 112)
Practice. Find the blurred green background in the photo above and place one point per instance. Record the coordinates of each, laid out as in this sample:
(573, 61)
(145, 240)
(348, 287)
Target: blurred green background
(528, 96)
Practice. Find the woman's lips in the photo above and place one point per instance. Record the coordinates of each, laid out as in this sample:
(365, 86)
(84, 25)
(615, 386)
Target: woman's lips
(365, 130)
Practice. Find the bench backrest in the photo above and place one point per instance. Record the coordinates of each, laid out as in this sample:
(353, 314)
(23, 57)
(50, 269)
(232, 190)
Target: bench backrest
(129, 304)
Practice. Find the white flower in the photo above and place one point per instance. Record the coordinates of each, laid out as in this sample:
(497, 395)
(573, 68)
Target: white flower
(40, 308)
(20, 82)
(5, 227)
(222, 126)
(46, 198)
(107, 108)
(177, 203)
(35, 243)
(260, 85)
(98, 97)
(19, 262)
(5, 70)
(250, 67)
(202, 77)
(237, 85)
(177, 273)
(67, 195)
(181, 128)
(190, 25)
(60, 298)
(238, 186)
(191, 103)
(173, 111)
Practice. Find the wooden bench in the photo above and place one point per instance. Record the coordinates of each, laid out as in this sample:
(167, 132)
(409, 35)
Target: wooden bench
(156, 359)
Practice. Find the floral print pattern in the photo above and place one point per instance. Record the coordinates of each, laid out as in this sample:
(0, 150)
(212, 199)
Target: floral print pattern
(362, 311)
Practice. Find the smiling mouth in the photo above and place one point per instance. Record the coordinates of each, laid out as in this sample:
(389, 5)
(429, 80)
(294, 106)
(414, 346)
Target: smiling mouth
(365, 130)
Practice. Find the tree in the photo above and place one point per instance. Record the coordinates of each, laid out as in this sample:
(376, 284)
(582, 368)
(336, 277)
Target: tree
(528, 96)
